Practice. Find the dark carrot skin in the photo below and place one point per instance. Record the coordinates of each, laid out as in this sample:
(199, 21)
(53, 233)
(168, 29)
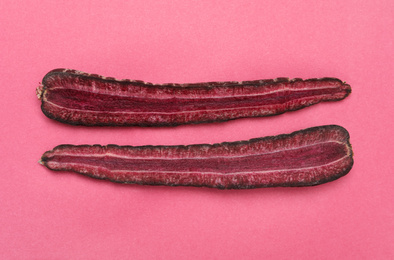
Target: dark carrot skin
(79, 98)
(304, 158)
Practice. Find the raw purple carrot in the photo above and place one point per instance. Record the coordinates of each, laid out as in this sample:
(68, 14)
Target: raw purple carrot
(79, 98)
(304, 158)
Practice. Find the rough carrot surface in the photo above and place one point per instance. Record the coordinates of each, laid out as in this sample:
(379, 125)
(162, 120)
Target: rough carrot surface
(79, 98)
(304, 158)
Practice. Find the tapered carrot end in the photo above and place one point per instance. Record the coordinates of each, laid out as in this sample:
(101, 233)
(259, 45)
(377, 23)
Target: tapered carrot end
(347, 88)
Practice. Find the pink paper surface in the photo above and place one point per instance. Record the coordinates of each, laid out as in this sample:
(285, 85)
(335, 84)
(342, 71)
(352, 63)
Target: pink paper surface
(51, 215)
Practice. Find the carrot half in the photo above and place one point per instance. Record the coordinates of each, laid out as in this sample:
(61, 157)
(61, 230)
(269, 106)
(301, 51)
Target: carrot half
(304, 158)
(79, 98)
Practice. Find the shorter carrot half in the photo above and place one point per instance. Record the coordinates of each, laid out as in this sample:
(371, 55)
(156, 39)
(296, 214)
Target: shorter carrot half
(79, 98)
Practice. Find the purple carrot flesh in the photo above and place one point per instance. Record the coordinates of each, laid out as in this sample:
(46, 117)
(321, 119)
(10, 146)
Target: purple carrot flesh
(79, 98)
(304, 158)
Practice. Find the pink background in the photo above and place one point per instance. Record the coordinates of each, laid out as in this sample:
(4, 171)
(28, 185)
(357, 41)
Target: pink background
(48, 215)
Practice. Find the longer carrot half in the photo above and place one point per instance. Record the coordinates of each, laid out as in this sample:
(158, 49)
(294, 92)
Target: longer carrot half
(78, 98)
(304, 158)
